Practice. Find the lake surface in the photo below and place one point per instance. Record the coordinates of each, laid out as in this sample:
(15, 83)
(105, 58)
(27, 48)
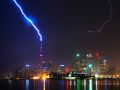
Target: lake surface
(103, 84)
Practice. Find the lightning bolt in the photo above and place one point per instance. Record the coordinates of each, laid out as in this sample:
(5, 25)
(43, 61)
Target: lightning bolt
(107, 20)
(22, 12)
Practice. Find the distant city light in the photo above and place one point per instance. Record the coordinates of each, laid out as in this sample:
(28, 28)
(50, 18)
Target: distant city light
(77, 55)
(104, 60)
(44, 77)
(90, 65)
(89, 55)
(27, 65)
(96, 75)
(62, 65)
(97, 54)
(35, 77)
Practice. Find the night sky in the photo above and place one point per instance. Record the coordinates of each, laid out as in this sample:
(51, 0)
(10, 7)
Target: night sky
(64, 25)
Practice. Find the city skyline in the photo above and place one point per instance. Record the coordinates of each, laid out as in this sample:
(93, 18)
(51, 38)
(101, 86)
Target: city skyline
(65, 27)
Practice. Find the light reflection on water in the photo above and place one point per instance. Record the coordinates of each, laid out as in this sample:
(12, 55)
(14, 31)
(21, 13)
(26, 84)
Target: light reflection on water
(90, 84)
(96, 84)
(78, 81)
(27, 84)
(51, 84)
(84, 84)
(44, 84)
(105, 84)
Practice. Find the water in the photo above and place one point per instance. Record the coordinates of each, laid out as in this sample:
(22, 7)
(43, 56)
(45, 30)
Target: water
(103, 84)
